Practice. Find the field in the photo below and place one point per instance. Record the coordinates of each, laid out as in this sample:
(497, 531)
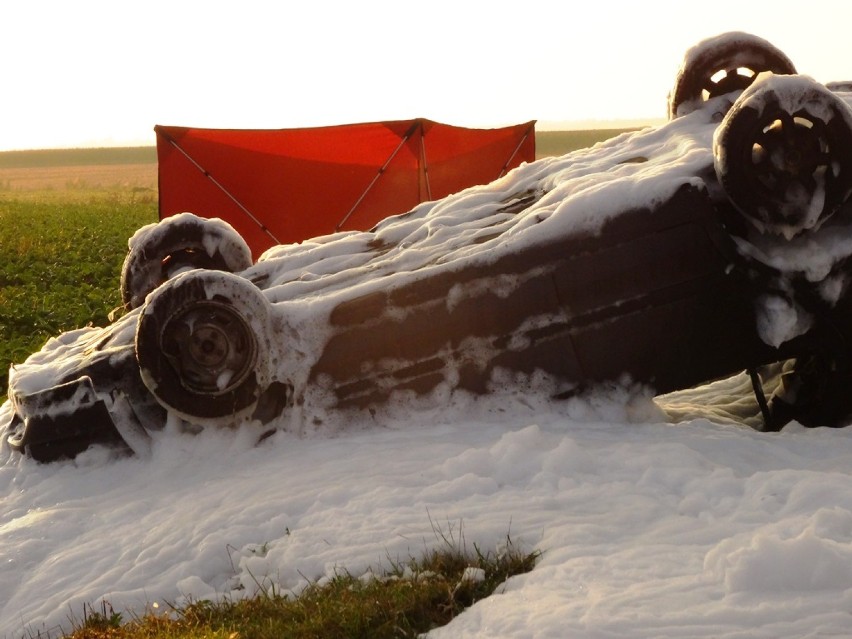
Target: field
(65, 216)
(550, 143)
(131, 170)
(63, 235)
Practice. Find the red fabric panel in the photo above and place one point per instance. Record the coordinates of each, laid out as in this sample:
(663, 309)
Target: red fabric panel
(302, 183)
(458, 158)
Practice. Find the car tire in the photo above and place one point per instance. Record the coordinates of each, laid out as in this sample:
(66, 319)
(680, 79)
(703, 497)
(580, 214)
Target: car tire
(783, 154)
(203, 346)
(723, 64)
(181, 242)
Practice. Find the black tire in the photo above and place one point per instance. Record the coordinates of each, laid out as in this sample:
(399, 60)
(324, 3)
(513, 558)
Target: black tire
(723, 64)
(177, 243)
(783, 154)
(203, 346)
(814, 391)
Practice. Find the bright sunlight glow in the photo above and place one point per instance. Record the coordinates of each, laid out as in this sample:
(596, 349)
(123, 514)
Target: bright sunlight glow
(101, 73)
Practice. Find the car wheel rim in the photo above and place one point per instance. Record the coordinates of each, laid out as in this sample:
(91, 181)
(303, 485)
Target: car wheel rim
(729, 81)
(211, 347)
(787, 160)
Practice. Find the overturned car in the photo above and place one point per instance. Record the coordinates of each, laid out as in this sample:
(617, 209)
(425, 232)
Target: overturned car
(716, 243)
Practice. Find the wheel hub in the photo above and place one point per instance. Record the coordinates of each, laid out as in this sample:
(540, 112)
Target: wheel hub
(788, 156)
(211, 346)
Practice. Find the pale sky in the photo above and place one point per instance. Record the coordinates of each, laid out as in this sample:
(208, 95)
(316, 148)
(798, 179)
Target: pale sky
(103, 73)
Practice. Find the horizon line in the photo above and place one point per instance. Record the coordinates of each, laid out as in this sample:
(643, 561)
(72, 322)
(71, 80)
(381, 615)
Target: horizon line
(541, 126)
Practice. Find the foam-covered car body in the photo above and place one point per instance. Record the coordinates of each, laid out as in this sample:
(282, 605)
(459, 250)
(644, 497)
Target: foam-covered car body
(715, 243)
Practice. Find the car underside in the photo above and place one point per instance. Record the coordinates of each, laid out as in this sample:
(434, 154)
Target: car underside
(669, 257)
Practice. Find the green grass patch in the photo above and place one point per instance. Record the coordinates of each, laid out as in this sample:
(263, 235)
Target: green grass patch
(410, 599)
(60, 263)
(554, 143)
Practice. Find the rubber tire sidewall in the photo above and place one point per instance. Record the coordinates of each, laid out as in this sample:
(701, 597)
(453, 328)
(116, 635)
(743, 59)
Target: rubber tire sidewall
(689, 82)
(141, 270)
(164, 382)
(733, 143)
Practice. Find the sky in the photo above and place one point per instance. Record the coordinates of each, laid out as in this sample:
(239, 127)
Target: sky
(100, 73)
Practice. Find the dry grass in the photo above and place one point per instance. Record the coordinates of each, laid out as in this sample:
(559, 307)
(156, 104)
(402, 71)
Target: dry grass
(75, 178)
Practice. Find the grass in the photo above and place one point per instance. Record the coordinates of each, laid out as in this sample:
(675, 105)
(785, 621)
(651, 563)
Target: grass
(78, 157)
(61, 262)
(410, 599)
(550, 143)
